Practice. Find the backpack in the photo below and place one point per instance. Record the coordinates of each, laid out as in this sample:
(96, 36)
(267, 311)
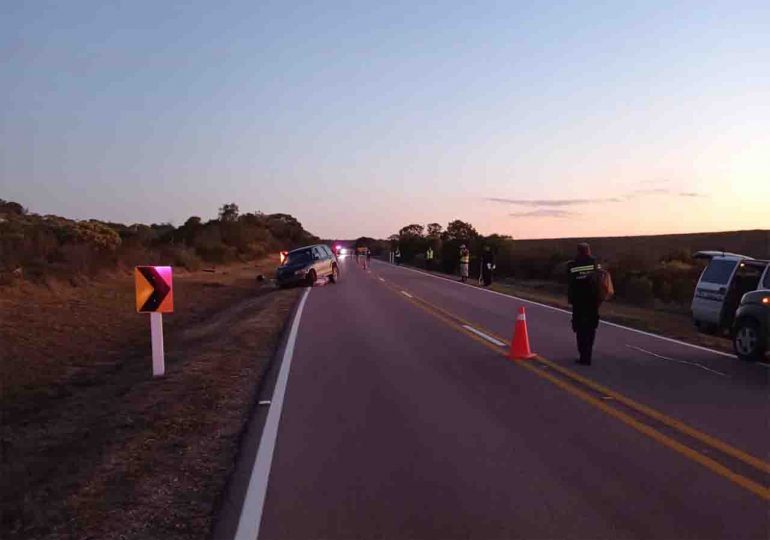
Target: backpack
(605, 289)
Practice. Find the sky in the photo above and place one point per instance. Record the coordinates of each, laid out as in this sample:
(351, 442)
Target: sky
(532, 119)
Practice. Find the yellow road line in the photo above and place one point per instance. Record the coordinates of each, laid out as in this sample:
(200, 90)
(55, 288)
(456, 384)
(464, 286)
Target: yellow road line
(706, 439)
(707, 462)
(664, 419)
(711, 464)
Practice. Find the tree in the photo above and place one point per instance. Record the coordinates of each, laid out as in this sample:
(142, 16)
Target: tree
(228, 212)
(459, 230)
(412, 231)
(10, 207)
(434, 230)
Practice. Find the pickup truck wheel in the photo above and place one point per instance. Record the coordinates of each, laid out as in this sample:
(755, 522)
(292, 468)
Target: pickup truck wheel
(748, 342)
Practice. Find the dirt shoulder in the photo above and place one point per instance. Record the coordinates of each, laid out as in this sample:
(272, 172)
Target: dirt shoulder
(93, 446)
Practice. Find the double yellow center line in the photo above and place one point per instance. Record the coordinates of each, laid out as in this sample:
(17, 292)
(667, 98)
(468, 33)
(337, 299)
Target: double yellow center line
(679, 437)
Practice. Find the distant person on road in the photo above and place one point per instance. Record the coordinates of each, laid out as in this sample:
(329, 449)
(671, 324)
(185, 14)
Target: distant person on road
(429, 258)
(398, 256)
(487, 266)
(465, 263)
(583, 294)
(367, 257)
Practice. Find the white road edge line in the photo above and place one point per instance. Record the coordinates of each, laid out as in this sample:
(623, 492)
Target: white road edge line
(694, 364)
(407, 294)
(664, 338)
(381, 279)
(251, 513)
(484, 336)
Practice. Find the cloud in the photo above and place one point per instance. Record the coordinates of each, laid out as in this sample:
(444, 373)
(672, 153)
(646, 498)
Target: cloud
(664, 191)
(551, 202)
(544, 212)
(651, 191)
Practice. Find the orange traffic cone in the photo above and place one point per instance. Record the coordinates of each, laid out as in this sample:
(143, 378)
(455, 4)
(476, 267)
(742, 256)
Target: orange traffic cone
(520, 344)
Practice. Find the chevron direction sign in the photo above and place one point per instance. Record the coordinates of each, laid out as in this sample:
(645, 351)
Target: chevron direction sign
(154, 289)
(155, 295)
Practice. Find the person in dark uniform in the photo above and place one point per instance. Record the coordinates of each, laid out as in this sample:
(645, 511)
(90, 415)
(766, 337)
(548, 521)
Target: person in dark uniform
(487, 265)
(583, 294)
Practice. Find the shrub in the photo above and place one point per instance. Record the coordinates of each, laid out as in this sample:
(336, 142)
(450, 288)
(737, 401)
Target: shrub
(183, 257)
(638, 289)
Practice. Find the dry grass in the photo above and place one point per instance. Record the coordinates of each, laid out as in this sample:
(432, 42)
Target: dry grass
(93, 446)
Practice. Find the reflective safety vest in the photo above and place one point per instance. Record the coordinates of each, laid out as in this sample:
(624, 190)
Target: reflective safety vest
(582, 272)
(429, 254)
(465, 257)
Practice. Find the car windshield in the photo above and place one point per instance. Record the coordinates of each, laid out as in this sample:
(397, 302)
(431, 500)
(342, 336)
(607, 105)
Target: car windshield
(298, 257)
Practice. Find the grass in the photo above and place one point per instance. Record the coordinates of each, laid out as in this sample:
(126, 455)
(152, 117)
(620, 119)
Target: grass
(93, 446)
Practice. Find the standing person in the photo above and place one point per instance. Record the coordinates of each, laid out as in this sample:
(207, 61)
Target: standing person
(487, 265)
(583, 294)
(398, 256)
(429, 258)
(367, 260)
(465, 263)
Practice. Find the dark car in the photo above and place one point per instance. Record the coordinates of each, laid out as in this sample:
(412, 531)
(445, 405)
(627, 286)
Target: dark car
(306, 264)
(752, 322)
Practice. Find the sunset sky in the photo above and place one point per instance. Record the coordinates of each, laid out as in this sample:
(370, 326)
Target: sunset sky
(531, 119)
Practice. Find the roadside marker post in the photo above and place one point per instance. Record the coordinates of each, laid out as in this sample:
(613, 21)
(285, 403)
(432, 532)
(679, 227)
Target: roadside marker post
(158, 355)
(155, 295)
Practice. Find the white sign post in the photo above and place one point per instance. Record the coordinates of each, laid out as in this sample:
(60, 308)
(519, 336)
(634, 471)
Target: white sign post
(156, 333)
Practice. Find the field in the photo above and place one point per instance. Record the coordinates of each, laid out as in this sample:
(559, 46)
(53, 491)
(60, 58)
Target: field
(93, 446)
(653, 248)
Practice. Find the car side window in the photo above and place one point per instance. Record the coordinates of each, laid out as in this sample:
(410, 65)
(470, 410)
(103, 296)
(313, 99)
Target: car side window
(329, 253)
(718, 271)
(766, 281)
(317, 254)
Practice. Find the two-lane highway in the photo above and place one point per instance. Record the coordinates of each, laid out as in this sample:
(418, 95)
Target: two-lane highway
(403, 418)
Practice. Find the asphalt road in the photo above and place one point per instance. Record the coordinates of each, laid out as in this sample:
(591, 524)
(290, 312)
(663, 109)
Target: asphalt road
(400, 421)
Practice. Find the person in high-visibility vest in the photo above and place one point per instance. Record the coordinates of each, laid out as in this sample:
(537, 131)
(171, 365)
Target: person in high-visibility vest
(429, 258)
(465, 263)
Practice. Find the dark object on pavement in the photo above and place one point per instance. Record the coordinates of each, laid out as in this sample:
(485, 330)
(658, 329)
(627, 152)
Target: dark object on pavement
(305, 265)
(584, 297)
(260, 278)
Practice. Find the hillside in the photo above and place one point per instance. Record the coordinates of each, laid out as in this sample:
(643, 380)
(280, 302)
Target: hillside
(39, 248)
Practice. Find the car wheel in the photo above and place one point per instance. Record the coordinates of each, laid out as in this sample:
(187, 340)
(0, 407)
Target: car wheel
(311, 277)
(748, 341)
(335, 276)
